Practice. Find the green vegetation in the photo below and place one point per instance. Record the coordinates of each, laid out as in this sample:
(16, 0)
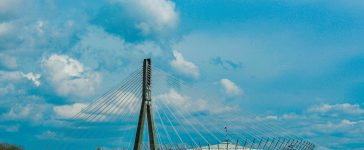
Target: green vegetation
(9, 147)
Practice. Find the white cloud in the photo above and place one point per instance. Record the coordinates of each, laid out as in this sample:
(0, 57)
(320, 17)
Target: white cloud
(69, 111)
(290, 116)
(119, 105)
(175, 98)
(69, 77)
(101, 50)
(5, 28)
(7, 61)
(325, 122)
(25, 112)
(10, 128)
(266, 118)
(344, 125)
(32, 77)
(187, 104)
(271, 117)
(9, 6)
(15, 76)
(184, 66)
(40, 26)
(346, 122)
(10, 75)
(47, 135)
(8, 3)
(335, 109)
(230, 87)
(157, 15)
(14, 128)
(5, 89)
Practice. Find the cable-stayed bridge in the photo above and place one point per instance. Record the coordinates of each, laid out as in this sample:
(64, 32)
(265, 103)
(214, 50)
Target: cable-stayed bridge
(152, 109)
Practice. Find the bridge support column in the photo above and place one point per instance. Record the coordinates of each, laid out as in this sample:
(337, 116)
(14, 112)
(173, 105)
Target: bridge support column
(146, 108)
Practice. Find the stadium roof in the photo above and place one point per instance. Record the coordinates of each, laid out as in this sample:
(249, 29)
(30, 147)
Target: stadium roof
(224, 146)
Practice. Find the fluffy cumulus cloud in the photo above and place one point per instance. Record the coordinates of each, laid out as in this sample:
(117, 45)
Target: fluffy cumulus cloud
(103, 51)
(8, 8)
(100, 50)
(69, 111)
(335, 109)
(17, 76)
(188, 104)
(10, 75)
(118, 103)
(69, 77)
(230, 87)
(344, 123)
(326, 111)
(180, 64)
(4, 28)
(32, 77)
(175, 98)
(31, 112)
(157, 16)
(265, 118)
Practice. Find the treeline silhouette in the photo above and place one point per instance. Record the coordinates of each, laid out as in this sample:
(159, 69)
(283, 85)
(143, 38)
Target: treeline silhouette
(4, 146)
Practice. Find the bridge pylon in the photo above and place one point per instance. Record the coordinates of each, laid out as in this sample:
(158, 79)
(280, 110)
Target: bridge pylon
(146, 109)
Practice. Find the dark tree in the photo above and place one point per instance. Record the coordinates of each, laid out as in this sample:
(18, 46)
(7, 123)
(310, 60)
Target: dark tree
(9, 147)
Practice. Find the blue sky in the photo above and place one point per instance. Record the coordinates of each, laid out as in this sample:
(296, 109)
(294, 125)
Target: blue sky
(299, 64)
